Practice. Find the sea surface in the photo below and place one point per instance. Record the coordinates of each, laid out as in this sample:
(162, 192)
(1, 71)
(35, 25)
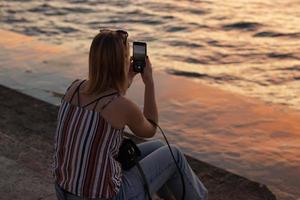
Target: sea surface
(246, 46)
(250, 47)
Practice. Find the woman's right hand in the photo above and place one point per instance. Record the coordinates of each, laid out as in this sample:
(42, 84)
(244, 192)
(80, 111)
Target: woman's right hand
(147, 73)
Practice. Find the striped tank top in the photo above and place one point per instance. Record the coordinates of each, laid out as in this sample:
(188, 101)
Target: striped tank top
(86, 146)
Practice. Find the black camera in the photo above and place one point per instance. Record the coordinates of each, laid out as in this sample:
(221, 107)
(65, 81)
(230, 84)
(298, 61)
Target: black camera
(139, 56)
(128, 154)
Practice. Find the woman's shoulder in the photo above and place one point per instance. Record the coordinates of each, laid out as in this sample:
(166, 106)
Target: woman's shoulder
(128, 106)
(118, 111)
(124, 105)
(71, 88)
(126, 102)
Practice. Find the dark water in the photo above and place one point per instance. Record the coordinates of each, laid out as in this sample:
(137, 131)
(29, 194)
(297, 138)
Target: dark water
(248, 47)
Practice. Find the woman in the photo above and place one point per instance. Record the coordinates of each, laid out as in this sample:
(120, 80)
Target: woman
(91, 120)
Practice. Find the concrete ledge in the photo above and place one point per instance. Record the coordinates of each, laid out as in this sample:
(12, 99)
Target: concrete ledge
(27, 126)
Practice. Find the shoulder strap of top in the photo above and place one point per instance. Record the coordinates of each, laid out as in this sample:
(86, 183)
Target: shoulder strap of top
(109, 101)
(77, 91)
(69, 88)
(97, 100)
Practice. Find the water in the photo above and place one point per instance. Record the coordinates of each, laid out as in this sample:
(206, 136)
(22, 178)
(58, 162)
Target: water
(250, 47)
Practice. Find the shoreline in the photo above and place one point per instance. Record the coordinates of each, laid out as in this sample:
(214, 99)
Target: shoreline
(26, 133)
(47, 54)
(208, 123)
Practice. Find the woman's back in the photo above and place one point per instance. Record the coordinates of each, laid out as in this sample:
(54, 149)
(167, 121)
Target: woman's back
(112, 111)
(86, 145)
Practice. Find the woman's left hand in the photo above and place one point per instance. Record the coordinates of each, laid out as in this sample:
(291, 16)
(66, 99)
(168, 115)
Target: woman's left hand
(131, 73)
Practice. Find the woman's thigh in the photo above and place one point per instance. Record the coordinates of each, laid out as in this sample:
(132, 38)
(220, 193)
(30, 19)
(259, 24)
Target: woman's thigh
(149, 146)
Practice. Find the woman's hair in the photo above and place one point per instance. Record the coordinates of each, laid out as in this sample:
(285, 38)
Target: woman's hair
(108, 60)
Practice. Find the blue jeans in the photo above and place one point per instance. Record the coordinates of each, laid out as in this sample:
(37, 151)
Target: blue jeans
(161, 173)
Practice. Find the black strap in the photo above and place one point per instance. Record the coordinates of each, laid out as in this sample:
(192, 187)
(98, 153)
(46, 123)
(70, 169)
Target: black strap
(178, 168)
(77, 91)
(146, 185)
(104, 106)
(96, 100)
(78, 99)
(69, 89)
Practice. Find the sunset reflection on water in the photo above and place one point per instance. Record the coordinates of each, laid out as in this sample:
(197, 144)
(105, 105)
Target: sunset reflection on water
(249, 48)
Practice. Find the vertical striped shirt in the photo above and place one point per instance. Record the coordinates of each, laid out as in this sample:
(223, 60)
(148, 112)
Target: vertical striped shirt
(86, 146)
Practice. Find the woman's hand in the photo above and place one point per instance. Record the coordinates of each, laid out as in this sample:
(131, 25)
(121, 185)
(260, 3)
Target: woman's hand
(131, 73)
(147, 73)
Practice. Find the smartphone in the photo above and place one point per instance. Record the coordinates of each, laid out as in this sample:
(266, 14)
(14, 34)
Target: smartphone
(139, 56)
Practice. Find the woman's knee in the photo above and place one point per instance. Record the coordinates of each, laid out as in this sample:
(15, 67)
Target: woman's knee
(175, 148)
(176, 151)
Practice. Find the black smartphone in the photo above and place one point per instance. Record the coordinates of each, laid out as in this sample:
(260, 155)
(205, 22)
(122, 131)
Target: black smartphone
(139, 56)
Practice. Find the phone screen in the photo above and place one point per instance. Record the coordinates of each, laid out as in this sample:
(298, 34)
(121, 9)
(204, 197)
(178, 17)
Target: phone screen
(139, 52)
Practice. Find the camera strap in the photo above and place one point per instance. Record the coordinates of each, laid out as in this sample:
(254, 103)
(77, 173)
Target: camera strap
(146, 185)
(178, 168)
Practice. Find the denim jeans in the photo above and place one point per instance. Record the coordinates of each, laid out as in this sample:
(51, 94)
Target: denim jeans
(161, 174)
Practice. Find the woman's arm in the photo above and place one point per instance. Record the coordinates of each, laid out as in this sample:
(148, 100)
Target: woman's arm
(136, 120)
(150, 108)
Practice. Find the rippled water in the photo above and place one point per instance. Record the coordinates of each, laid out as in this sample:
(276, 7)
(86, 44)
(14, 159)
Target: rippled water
(247, 46)
(250, 47)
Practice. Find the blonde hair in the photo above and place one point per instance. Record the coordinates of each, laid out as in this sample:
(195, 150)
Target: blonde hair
(108, 60)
